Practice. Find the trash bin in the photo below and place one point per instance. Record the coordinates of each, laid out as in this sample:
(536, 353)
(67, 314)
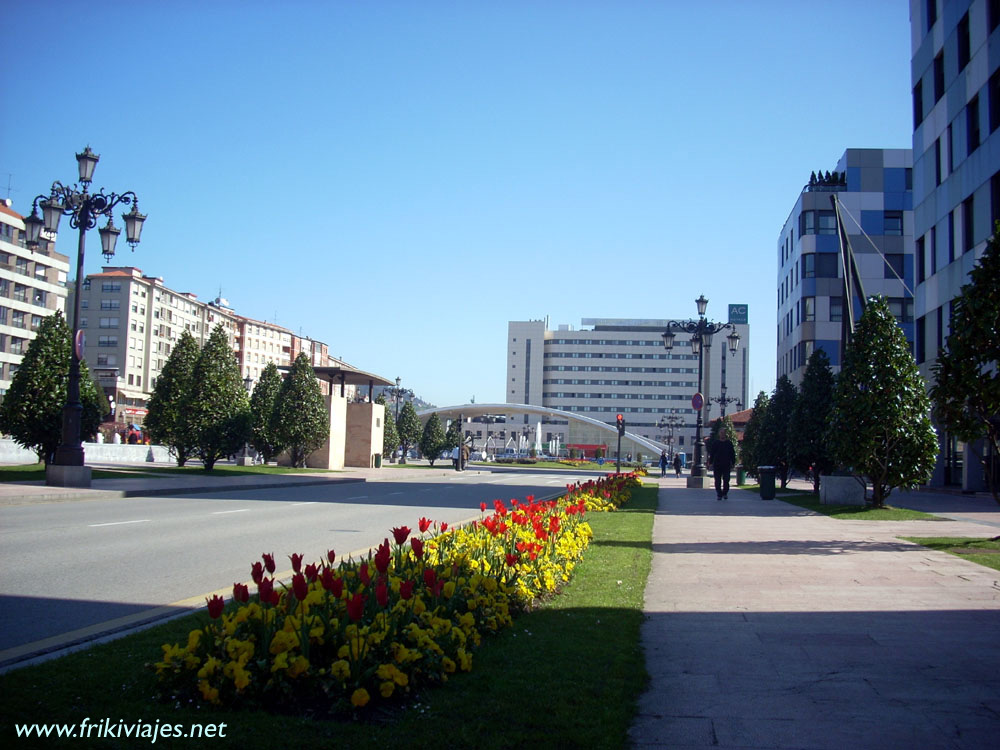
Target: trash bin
(378, 460)
(766, 482)
(741, 475)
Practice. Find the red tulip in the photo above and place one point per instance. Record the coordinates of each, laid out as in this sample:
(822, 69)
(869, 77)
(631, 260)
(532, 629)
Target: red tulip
(331, 556)
(337, 587)
(444, 527)
(382, 593)
(299, 586)
(418, 546)
(530, 499)
(366, 578)
(269, 562)
(382, 557)
(312, 572)
(356, 606)
(400, 534)
(256, 572)
(215, 606)
(241, 593)
(430, 576)
(296, 561)
(326, 578)
(482, 506)
(512, 559)
(424, 524)
(265, 589)
(406, 589)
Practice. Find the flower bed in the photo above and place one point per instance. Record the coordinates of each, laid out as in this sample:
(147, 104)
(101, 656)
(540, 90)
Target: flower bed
(410, 614)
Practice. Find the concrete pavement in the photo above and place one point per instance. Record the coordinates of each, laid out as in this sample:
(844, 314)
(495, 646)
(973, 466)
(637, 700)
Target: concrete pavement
(768, 626)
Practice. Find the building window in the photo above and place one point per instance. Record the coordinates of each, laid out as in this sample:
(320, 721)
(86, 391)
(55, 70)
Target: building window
(933, 251)
(939, 76)
(994, 105)
(107, 341)
(921, 343)
(109, 322)
(968, 224)
(111, 304)
(17, 319)
(964, 45)
(20, 293)
(827, 222)
(921, 252)
(111, 286)
(836, 309)
(893, 223)
(902, 309)
(992, 14)
(931, 6)
(826, 265)
(893, 268)
(951, 148)
(951, 236)
(807, 222)
(808, 309)
(972, 123)
(16, 345)
(918, 104)
(995, 197)
(937, 162)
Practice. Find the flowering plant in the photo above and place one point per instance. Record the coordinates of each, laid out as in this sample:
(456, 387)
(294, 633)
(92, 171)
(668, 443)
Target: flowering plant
(411, 613)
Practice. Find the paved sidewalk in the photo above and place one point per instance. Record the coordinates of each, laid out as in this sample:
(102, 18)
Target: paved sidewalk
(772, 627)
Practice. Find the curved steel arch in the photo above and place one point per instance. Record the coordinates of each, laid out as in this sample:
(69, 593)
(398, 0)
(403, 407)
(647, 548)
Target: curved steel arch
(478, 410)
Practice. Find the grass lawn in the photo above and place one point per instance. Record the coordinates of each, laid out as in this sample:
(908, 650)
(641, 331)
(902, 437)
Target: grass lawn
(983, 551)
(567, 674)
(36, 472)
(810, 501)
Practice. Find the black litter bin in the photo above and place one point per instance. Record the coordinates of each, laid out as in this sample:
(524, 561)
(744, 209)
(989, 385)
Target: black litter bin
(766, 482)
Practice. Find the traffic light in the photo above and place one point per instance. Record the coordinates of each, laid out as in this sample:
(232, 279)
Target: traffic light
(621, 425)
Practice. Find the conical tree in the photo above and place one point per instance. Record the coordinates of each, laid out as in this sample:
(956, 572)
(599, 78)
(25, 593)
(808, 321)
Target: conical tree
(300, 420)
(218, 409)
(772, 446)
(966, 391)
(32, 409)
(390, 438)
(808, 443)
(408, 429)
(453, 435)
(752, 434)
(881, 427)
(265, 394)
(168, 418)
(432, 439)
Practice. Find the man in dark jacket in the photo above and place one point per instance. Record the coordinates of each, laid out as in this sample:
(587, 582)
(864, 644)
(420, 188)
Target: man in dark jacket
(723, 458)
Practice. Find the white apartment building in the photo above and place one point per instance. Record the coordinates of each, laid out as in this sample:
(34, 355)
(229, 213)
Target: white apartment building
(32, 286)
(612, 366)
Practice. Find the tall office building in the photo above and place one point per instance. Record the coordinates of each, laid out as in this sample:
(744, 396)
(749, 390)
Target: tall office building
(874, 189)
(32, 286)
(619, 366)
(956, 177)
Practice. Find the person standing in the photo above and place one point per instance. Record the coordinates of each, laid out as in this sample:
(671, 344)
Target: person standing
(455, 457)
(677, 464)
(663, 462)
(723, 458)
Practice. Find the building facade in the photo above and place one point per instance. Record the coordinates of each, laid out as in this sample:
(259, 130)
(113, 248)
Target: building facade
(619, 366)
(874, 189)
(32, 286)
(955, 69)
(133, 321)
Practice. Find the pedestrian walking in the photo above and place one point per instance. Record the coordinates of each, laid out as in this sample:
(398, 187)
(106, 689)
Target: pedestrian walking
(677, 464)
(663, 462)
(455, 457)
(723, 457)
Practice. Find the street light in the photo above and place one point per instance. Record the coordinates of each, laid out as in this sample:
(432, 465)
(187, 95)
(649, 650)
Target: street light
(84, 209)
(398, 394)
(670, 422)
(701, 332)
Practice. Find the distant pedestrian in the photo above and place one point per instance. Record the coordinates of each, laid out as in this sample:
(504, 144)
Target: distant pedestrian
(723, 457)
(463, 458)
(663, 462)
(677, 464)
(455, 457)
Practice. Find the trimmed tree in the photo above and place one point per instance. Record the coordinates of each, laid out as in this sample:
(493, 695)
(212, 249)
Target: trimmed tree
(390, 438)
(432, 439)
(966, 391)
(32, 409)
(262, 437)
(752, 434)
(408, 429)
(168, 419)
(881, 427)
(218, 409)
(453, 435)
(300, 420)
(773, 449)
(808, 443)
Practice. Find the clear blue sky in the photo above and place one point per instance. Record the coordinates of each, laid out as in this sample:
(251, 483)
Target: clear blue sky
(400, 179)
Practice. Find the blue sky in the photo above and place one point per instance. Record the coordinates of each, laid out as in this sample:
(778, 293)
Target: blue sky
(400, 179)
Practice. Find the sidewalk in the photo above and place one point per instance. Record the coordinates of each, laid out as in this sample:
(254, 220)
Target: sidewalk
(768, 626)
(21, 493)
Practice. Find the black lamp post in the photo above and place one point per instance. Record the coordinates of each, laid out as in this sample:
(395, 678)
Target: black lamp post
(701, 332)
(723, 401)
(670, 422)
(398, 394)
(84, 209)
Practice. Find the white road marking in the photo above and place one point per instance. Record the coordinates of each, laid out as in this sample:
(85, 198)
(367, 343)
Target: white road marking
(393, 493)
(118, 523)
(357, 497)
(311, 502)
(221, 512)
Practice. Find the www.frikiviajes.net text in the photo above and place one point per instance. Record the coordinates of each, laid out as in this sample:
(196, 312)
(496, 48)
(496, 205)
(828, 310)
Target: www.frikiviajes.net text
(121, 729)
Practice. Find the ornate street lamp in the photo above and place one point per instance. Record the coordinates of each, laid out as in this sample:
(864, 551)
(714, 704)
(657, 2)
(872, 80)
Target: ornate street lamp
(84, 209)
(398, 394)
(701, 332)
(723, 401)
(671, 422)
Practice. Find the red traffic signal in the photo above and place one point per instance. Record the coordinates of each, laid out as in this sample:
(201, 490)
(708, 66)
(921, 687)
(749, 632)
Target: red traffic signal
(621, 425)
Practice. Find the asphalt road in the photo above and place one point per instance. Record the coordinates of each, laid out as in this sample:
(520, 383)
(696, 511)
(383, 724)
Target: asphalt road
(77, 569)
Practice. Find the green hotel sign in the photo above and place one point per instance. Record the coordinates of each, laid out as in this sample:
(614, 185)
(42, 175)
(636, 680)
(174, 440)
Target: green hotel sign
(739, 314)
